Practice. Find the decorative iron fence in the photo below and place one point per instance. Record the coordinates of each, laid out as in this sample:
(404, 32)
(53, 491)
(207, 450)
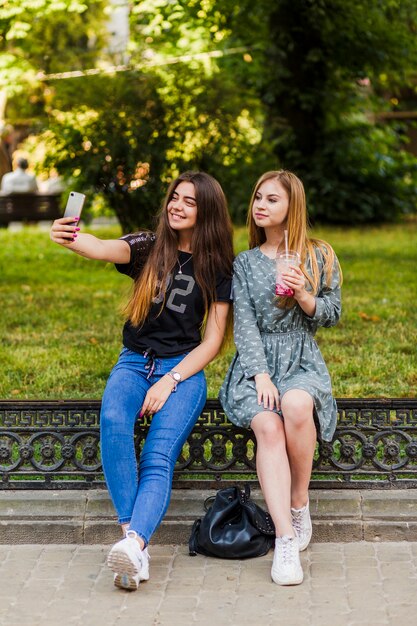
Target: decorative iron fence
(55, 445)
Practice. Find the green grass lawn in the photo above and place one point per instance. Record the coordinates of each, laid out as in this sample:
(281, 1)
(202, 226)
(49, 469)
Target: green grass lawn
(61, 326)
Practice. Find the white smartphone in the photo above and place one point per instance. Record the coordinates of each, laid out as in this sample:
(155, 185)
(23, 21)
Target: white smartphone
(75, 204)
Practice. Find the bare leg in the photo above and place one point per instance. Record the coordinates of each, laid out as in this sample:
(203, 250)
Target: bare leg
(273, 469)
(300, 433)
(125, 528)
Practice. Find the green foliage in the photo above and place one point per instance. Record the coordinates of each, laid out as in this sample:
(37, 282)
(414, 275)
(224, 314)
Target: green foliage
(318, 112)
(30, 45)
(319, 69)
(167, 118)
(358, 176)
(230, 88)
(215, 121)
(109, 142)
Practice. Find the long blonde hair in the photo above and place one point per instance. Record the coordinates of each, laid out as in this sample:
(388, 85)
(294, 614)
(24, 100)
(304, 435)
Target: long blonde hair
(211, 245)
(297, 227)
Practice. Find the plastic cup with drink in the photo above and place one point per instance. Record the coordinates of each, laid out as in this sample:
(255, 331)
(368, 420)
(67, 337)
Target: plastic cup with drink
(284, 262)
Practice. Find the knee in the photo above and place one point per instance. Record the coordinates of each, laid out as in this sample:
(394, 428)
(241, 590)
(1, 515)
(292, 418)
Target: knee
(297, 409)
(269, 430)
(155, 466)
(114, 422)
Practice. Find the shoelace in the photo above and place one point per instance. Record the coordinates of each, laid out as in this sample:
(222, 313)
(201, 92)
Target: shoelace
(288, 550)
(297, 520)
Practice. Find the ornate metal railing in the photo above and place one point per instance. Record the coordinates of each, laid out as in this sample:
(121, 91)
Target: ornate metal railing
(55, 445)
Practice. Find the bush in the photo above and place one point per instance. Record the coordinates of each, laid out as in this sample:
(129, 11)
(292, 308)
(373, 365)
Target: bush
(360, 176)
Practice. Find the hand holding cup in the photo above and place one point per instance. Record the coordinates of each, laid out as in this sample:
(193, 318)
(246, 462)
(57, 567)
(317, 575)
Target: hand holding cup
(288, 273)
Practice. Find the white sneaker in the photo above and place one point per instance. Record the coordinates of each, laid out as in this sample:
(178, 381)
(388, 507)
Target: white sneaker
(286, 566)
(301, 522)
(129, 563)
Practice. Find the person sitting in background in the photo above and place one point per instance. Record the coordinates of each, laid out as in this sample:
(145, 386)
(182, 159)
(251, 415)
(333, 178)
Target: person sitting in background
(19, 181)
(54, 184)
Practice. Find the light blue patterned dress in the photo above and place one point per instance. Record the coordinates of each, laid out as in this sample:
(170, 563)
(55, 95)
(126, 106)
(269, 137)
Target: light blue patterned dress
(278, 341)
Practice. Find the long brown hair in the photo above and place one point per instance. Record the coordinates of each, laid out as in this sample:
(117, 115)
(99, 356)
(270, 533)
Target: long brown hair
(211, 245)
(297, 226)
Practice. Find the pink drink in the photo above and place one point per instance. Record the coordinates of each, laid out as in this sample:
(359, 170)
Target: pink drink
(284, 261)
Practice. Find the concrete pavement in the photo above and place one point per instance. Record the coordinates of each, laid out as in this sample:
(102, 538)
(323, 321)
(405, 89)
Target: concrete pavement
(55, 574)
(346, 584)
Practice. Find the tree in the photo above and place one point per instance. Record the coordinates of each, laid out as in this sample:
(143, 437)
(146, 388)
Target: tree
(29, 44)
(318, 59)
(110, 142)
(30, 47)
(311, 78)
(145, 126)
(235, 89)
(214, 119)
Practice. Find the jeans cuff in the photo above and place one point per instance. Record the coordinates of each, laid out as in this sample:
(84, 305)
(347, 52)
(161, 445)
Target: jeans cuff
(124, 520)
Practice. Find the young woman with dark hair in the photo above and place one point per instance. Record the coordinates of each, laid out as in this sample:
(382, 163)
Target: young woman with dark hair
(182, 283)
(278, 381)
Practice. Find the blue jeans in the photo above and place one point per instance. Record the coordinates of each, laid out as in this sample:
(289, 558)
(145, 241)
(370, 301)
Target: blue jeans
(141, 495)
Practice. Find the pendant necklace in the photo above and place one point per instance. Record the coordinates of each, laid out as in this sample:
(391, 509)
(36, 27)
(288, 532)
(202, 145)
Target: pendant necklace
(182, 264)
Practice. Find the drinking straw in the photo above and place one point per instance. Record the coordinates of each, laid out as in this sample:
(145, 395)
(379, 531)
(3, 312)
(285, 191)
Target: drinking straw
(286, 243)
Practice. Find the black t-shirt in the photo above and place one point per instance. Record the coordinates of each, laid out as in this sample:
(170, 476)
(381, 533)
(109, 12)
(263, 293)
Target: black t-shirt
(177, 328)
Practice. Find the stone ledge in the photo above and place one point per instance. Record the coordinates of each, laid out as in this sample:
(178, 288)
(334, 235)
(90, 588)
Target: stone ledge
(87, 517)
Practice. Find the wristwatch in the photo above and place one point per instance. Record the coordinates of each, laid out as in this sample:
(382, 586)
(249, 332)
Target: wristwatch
(176, 377)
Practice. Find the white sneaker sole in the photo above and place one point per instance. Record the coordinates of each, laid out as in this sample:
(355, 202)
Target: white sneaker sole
(285, 581)
(124, 581)
(120, 563)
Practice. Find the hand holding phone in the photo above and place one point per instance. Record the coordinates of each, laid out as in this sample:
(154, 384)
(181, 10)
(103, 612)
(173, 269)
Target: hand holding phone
(64, 229)
(75, 204)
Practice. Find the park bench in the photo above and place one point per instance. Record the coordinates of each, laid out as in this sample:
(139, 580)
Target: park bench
(55, 445)
(29, 207)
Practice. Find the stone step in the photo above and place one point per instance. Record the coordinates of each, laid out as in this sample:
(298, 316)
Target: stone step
(87, 517)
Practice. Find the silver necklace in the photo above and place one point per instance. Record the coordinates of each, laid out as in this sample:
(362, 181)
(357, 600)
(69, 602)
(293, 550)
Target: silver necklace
(182, 264)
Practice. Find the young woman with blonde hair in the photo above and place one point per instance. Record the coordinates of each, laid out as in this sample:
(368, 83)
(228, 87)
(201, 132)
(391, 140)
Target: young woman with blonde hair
(182, 281)
(278, 382)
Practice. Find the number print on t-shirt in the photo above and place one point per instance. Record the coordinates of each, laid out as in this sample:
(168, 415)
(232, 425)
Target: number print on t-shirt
(178, 292)
(161, 294)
